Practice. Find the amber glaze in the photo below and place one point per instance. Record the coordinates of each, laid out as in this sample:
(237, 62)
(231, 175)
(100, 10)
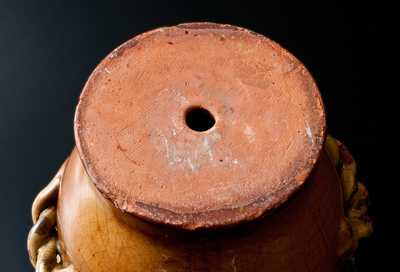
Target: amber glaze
(301, 235)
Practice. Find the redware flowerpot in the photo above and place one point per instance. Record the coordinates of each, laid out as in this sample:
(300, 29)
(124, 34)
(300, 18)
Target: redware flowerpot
(200, 147)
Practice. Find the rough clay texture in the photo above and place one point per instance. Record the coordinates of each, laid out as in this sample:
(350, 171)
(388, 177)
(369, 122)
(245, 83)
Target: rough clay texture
(136, 147)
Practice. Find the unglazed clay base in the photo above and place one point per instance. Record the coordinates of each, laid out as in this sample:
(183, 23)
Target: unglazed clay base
(131, 132)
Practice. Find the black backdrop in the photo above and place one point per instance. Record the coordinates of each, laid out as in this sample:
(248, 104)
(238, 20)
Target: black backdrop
(48, 49)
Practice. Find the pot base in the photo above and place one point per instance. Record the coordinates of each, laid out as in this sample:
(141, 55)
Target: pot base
(144, 148)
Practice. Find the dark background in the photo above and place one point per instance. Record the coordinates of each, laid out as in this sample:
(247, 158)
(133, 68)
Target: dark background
(48, 49)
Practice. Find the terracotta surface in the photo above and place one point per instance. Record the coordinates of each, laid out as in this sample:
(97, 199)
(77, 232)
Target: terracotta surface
(301, 235)
(139, 152)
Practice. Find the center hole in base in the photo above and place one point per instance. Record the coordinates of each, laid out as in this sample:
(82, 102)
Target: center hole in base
(199, 119)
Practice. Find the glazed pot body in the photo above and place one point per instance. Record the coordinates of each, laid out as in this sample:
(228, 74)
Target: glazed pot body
(301, 235)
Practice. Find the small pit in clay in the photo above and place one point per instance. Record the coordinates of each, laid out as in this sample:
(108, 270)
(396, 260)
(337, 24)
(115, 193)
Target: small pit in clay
(199, 119)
